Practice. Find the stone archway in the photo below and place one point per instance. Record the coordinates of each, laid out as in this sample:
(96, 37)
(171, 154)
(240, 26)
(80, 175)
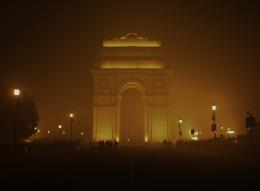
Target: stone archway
(124, 63)
(132, 113)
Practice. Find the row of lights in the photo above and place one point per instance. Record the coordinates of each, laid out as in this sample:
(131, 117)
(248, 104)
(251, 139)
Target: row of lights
(195, 134)
(17, 94)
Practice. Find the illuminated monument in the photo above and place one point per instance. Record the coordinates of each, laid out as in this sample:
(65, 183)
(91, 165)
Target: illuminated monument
(131, 63)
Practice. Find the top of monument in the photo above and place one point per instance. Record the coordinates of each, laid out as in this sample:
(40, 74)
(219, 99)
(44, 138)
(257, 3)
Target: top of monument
(131, 40)
(134, 36)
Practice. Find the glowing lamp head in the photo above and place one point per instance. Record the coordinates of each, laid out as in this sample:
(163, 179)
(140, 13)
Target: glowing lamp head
(180, 121)
(59, 126)
(63, 132)
(221, 128)
(38, 130)
(17, 92)
(71, 115)
(214, 107)
(82, 133)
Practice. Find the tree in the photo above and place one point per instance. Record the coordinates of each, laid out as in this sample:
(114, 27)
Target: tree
(27, 117)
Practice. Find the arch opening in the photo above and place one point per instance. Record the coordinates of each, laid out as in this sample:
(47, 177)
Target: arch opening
(132, 130)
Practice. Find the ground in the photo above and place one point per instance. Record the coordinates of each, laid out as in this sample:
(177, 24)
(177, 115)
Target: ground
(147, 167)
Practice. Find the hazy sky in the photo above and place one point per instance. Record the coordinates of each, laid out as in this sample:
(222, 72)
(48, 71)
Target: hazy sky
(49, 48)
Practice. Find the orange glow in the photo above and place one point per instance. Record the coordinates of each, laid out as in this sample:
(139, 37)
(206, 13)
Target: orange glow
(131, 64)
(118, 43)
(60, 126)
(71, 115)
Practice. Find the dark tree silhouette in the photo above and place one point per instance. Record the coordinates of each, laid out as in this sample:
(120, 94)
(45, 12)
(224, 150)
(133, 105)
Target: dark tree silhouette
(27, 117)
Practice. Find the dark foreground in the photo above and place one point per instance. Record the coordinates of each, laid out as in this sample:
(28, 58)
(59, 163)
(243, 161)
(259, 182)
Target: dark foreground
(133, 168)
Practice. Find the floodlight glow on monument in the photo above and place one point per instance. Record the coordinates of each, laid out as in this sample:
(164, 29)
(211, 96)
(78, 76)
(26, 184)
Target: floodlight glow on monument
(131, 40)
(128, 64)
(133, 67)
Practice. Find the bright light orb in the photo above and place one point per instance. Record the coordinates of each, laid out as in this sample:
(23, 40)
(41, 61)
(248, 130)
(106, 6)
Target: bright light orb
(82, 133)
(71, 115)
(180, 121)
(214, 107)
(60, 126)
(17, 92)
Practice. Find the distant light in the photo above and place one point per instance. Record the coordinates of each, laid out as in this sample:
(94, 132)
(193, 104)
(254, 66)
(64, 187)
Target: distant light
(38, 130)
(196, 133)
(146, 139)
(17, 92)
(48, 132)
(28, 140)
(221, 128)
(180, 121)
(63, 132)
(59, 126)
(82, 133)
(117, 139)
(128, 140)
(35, 128)
(195, 138)
(230, 131)
(71, 115)
(214, 107)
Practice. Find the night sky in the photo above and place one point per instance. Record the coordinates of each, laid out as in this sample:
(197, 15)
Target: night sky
(49, 47)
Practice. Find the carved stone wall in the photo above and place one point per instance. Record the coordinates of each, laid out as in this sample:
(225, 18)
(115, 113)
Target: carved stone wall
(110, 85)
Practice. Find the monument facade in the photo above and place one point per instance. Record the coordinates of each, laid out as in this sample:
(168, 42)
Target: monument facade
(131, 63)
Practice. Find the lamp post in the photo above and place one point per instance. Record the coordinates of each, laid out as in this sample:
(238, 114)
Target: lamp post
(17, 94)
(221, 132)
(59, 131)
(192, 132)
(71, 124)
(214, 126)
(180, 128)
(250, 125)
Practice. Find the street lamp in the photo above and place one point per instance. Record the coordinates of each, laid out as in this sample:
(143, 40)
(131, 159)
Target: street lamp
(221, 131)
(59, 126)
(214, 126)
(17, 95)
(180, 127)
(71, 124)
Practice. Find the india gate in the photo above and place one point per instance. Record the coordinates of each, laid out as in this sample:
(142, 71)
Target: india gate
(131, 95)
